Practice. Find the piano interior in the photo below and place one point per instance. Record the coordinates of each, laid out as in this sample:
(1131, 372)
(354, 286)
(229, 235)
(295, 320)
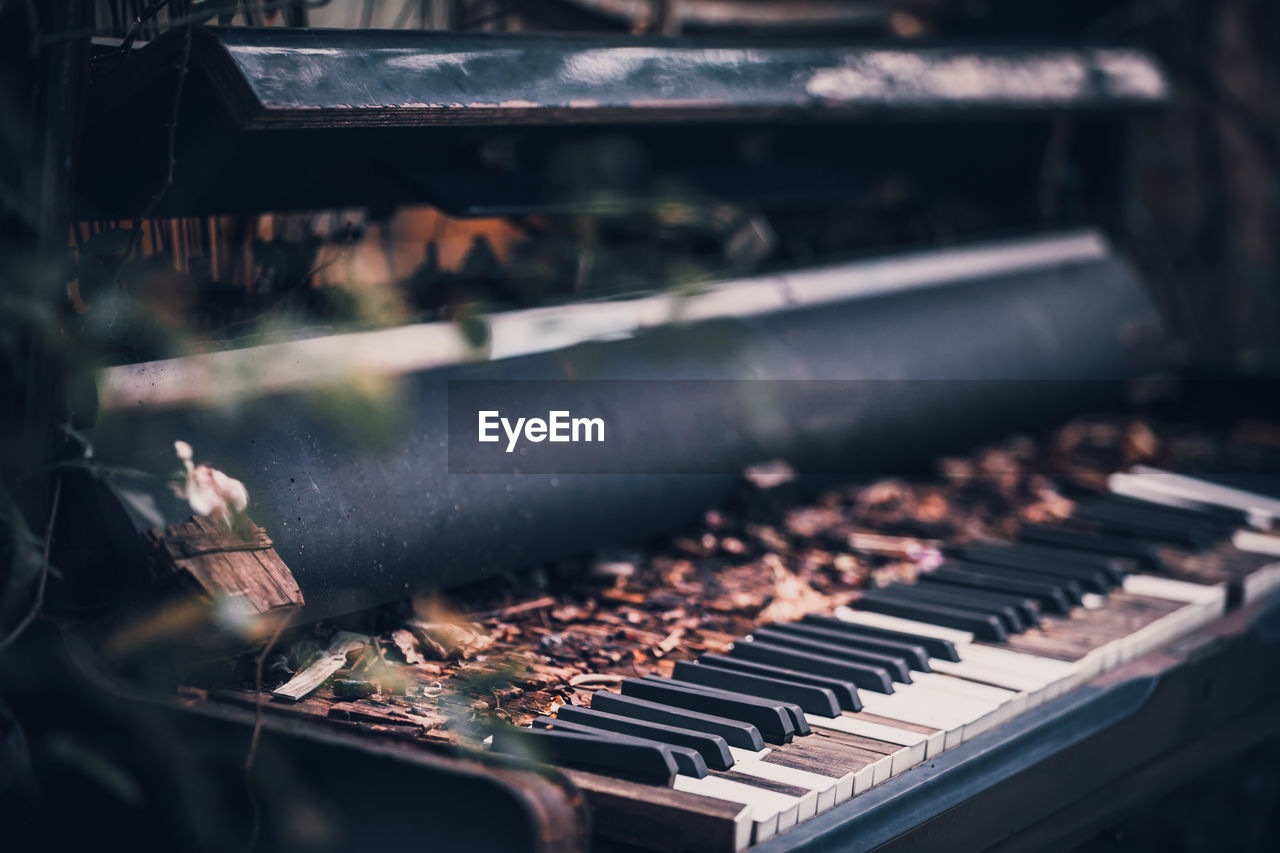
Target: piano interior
(621, 425)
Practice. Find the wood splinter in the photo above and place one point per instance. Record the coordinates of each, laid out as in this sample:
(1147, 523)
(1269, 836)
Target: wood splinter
(308, 680)
(221, 563)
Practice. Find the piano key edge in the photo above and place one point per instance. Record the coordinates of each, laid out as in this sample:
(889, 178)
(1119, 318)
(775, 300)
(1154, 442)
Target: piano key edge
(1134, 703)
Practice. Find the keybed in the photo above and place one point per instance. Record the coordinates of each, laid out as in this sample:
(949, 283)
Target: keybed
(798, 717)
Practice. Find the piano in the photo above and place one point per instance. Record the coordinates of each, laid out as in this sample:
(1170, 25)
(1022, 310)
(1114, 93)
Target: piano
(958, 591)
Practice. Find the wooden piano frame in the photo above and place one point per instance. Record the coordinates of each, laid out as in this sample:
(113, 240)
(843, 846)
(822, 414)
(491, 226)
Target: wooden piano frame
(1047, 779)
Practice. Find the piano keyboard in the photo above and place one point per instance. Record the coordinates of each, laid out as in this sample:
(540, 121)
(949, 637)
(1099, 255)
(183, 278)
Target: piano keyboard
(798, 717)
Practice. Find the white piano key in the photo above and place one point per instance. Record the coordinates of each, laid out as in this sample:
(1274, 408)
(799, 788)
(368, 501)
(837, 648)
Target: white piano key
(919, 709)
(916, 743)
(863, 780)
(1261, 582)
(844, 785)
(1263, 579)
(823, 788)
(1055, 676)
(1256, 542)
(906, 626)
(971, 689)
(952, 714)
(959, 717)
(770, 811)
(740, 754)
(955, 701)
(880, 771)
(1193, 593)
(1149, 489)
(884, 769)
(1156, 481)
(1169, 628)
(982, 725)
(1014, 700)
(902, 760)
(981, 673)
(1032, 666)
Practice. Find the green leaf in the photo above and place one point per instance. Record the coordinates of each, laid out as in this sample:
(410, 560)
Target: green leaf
(474, 329)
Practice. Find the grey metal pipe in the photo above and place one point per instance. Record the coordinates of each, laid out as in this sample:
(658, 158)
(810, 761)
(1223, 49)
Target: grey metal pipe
(946, 346)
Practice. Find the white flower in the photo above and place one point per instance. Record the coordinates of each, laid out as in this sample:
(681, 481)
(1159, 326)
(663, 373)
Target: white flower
(209, 491)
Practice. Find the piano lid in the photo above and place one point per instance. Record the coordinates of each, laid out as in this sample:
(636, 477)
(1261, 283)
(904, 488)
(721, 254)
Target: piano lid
(277, 77)
(488, 123)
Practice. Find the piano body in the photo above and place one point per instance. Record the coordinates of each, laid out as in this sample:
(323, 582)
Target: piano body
(1009, 676)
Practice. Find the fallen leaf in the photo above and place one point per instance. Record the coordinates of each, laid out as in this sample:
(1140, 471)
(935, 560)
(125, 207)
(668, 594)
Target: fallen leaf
(447, 640)
(407, 643)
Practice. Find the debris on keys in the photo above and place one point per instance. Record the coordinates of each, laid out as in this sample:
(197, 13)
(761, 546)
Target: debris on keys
(449, 640)
(335, 658)
(558, 634)
(793, 598)
(353, 688)
(407, 643)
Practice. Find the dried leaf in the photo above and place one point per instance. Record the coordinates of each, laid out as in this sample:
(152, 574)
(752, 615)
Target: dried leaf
(407, 643)
(448, 640)
(793, 598)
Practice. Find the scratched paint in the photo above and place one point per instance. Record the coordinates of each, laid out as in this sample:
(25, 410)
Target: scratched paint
(408, 76)
(893, 75)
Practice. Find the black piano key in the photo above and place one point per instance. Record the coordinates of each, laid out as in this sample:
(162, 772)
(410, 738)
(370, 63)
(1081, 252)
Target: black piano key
(1021, 611)
(811, 699)
(1125, 521)
(1052, 599)
(1009, 615)
(688, 760)
(774, 724)
(1141, 552)
(1173, 519)
(734, 732)
(1071, 589)
(793, 712)
(845, 692)
(983, 626)
(941, 649)
(1026, 606)
(1221, 520)
(896, 666)
(1229, 518)
(913, 654)
(648, 763)
(1093, 577)
(865, 676)
(713, 748)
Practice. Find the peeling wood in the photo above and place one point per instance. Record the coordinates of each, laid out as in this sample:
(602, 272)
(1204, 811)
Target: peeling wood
(516, 609)
(363, 710)
(224, 564)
